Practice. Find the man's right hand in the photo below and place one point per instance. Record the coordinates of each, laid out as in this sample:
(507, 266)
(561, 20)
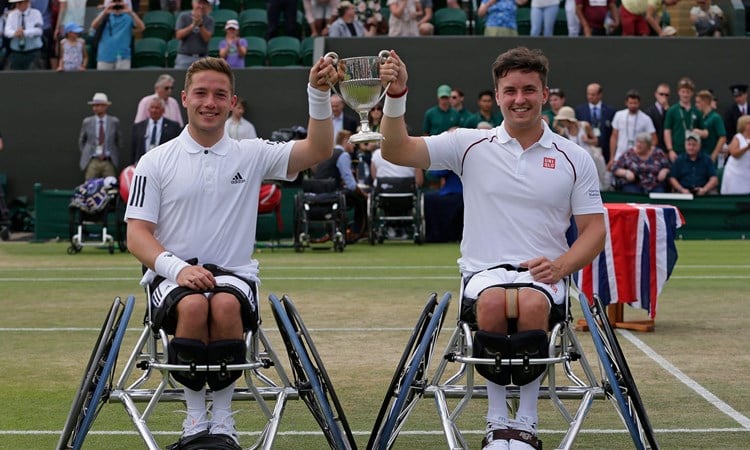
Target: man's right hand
(196, 278)
(394, 72)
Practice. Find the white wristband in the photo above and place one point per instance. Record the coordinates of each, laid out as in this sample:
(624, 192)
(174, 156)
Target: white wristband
(169, 266)
(394, 106)
(319, 103)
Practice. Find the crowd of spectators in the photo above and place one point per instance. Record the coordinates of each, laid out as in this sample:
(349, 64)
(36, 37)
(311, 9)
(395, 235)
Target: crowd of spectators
(39, 34)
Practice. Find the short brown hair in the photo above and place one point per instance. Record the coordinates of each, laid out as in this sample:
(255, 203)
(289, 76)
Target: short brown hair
(208, 63)
(523, 59)
(686, 83)
(705, 95)
(342, 137)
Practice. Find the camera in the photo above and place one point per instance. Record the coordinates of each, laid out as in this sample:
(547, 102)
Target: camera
(117, 6)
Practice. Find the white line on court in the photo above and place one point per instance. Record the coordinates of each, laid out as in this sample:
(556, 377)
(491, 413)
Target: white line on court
(687, 381)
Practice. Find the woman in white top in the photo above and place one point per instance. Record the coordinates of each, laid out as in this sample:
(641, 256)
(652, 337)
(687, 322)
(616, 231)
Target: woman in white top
(736, 177)
(236, 126)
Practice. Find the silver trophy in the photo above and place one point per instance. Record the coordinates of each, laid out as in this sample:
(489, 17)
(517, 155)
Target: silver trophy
(361, 89)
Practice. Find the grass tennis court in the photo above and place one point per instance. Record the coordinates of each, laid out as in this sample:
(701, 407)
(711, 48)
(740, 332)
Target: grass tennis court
(360, 307)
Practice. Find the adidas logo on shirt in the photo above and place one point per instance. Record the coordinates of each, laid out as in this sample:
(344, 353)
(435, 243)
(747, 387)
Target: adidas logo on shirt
(237, 179)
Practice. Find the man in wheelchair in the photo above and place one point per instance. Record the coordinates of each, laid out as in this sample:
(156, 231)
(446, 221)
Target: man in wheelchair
(195, 199)
(522, 183)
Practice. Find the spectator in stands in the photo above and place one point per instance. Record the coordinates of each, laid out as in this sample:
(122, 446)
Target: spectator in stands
(633, 18)
(629, 123)
(658, 110)
(347, 24)
(274, 9)
(320, 14)
(100, 140)
(581, 132)
(237, 127)
(592, 15)
(693, 172)
(712, 133)
(655, 16)
(113, 51)
(48, 34)
(642, 169)
(736, 177)
(556, 100)
(153, 131)
(425, 19)
(574, 25)
(440, 117)
(681, 118)
(342, 120)
(368, 12)
(194, 29)
(707, 19)
(339, 167)
(163, 88)
(233, 48)
(500, 16)
(70, 11)
(404, 17)
(23, 27)
(599, 115)
(73, 54)
(543, 17)
(457, 103)
(486, 111)
(3, 40)
(738, 109)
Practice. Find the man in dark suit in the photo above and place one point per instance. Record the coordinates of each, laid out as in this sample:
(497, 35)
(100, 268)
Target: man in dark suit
(658, 109)
(153, 131)
(739, 109)
(599, 115)
(99, 140)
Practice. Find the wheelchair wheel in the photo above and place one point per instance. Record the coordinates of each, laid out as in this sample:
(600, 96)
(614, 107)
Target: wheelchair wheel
(620, 384)
(313, 384)
(410, 378)
(97, 378)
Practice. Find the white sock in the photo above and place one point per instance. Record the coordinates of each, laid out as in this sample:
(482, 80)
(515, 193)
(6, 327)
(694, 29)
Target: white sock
(497, 400)
(196, 402)
(527, 405)
(222, 405)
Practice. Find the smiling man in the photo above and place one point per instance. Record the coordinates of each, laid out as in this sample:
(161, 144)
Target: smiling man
(195, 198)
(522, 183)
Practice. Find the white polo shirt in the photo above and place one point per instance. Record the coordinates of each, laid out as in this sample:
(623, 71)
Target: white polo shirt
(517, 204)
(204, 201)
(629, 126)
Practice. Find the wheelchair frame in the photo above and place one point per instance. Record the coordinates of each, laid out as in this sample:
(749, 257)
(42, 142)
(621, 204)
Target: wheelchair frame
(379, 217)
(304, 224)
(412, 382)
(310, 381)
(82, 225)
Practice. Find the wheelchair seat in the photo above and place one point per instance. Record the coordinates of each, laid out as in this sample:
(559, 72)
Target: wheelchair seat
(395, 203)
(320, 215)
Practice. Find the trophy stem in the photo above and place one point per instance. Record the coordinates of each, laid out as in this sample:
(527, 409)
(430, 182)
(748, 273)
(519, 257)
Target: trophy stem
(364, 121)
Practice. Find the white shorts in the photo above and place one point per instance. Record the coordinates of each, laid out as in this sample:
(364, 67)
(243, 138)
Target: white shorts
(500, 276)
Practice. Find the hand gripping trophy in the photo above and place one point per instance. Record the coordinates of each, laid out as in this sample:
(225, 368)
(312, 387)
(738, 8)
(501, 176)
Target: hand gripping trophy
(361, 88)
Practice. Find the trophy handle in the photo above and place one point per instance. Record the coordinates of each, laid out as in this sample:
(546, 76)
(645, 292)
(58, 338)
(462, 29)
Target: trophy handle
(335, 61)
(383, 55)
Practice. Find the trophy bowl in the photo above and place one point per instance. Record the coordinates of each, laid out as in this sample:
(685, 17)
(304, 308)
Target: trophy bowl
(361, 89)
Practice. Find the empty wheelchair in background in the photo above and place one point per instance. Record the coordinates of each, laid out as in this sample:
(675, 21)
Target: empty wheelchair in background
(569, 375)
(395, 211)
(320, 215)
(145, 381)
(96, 216)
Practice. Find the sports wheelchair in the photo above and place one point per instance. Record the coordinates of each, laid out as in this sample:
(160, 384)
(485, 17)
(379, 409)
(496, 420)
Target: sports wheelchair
(95, 216)
(320, 215)
(145, 379)
(576, 381)
(395, 204)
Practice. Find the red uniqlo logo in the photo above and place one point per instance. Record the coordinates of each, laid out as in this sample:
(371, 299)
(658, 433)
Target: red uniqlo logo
(549, 163)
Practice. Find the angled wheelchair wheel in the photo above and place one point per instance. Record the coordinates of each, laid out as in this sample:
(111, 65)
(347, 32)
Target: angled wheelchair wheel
(620, 385)
(97, 378)
(410, 378)
(312, 380)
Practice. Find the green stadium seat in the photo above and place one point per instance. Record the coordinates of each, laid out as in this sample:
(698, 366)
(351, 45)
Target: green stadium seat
(307, 48)
(159, 24)
(253, 22)
(213, 46)
(150, 52)
(234, 5)
(256, 51)
(450, 21)
(172, 46)
(283, 51)
(523, 20)
(479, 24)
(220, 17)
(561, 23)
